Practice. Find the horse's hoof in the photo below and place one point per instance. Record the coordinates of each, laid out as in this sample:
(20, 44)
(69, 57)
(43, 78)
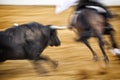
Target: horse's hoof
(95, 58)
(106, 60)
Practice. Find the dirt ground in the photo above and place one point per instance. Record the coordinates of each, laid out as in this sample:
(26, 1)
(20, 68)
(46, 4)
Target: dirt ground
(74, 59)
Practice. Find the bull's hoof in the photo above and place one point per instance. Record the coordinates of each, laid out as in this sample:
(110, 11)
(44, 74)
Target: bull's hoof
(55, 64)
(44, 73)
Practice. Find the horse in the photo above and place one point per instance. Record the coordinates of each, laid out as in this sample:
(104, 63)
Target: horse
(89, 23)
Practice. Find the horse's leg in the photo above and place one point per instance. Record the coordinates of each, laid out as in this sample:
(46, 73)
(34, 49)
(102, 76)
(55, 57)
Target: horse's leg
(95, 57)
(115, 50)
(101, 44)
(114, 45)
(108, 30)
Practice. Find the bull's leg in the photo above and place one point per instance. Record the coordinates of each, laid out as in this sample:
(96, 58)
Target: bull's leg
(95, 57)
(36, 61)
(33, 53)
(101, 44)
(46, 58)
(2, 58)
(40, 67)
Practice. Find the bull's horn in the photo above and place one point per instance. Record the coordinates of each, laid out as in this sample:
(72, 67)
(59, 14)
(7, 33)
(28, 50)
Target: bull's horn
(58, 27)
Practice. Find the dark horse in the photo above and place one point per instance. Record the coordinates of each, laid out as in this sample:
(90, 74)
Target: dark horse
(89, 23)
(28, 41)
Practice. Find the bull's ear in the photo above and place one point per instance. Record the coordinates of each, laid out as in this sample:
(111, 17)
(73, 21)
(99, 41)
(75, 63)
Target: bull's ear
(59, 27)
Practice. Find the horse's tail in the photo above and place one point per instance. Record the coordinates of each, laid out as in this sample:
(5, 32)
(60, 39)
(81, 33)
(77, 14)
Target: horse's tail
(84, 22)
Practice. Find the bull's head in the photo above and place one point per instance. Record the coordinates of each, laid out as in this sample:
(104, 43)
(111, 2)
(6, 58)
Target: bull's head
(54, 40)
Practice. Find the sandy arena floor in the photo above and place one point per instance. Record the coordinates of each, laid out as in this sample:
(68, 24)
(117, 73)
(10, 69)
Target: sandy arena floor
(75, 59)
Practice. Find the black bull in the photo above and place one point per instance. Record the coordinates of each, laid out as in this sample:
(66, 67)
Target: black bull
(27, 41)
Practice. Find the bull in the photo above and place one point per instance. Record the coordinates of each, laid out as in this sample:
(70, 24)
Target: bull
(27, 41)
